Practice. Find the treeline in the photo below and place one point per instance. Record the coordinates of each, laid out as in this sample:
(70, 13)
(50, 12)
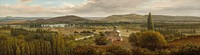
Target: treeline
(36, 42)
(84, 24)
(28, 42)
(174, 25)
(16, 46)
(173, 34)
(107, 23)
(20, 42)
(29, 35)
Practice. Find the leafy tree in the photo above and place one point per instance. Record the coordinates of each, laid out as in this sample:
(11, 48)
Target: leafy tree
(58, 44)
(17, 50)
(152, 40)
(148, 39)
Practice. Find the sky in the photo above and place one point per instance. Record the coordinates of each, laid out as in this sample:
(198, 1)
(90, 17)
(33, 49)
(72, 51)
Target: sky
(97, 8)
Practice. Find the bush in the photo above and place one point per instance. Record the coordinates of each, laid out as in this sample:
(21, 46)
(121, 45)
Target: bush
(133, 39)
(101, 41)
(102, 34)
(116, 50)
(83, 50)
(189, 50)
(148, 39)
(142, 51)
(164, 52)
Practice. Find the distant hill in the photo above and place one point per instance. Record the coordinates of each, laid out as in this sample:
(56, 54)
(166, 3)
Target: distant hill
(176, 18)
(62, 19)
(125, 18)
(18, 20)
(11, 19)
(112, 18)
(156, 18)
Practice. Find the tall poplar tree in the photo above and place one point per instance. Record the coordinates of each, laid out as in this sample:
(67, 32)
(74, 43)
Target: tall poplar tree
(150, 25)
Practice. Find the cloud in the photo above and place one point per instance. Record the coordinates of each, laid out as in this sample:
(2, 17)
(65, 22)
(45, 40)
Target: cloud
(25, 0)
(174, 7)
(23, 9)
(163, 7)
(106, 7)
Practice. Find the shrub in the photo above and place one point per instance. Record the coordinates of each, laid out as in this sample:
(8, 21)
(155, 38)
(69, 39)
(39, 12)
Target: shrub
(141, 51)
(83, 50)
(164, 52)
(102, 34)
(101, 41)
(189, 50)
(133, 39)
(148, 39)
(116, 50)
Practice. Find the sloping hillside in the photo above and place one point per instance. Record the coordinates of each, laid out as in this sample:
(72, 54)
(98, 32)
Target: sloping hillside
(62, 19)
(125, 18)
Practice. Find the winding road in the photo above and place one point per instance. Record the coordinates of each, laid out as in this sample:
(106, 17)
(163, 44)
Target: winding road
(81, 38)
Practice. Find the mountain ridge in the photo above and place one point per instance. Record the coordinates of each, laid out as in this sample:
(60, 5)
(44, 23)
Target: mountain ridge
(137, 17)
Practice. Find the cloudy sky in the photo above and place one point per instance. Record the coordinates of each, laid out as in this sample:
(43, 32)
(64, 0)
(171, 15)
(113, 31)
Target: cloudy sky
(86, 8)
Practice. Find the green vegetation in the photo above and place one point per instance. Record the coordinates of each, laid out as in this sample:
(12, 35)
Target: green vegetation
(39, 42)
(31, 35)
(99, 50)
(189, 50)
(116, 50)
(148, 39)
(101, 41)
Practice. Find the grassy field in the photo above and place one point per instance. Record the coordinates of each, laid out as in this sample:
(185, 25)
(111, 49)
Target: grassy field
(125, 32)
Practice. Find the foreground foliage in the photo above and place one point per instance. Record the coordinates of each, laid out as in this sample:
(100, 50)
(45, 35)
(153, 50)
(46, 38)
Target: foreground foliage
(148, 39)
(40, 42)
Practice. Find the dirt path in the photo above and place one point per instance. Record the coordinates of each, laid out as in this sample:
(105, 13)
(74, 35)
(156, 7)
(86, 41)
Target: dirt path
(81, 38)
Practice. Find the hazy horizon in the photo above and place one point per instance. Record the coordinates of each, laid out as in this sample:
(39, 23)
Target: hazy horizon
(97, 16)
(97, 8)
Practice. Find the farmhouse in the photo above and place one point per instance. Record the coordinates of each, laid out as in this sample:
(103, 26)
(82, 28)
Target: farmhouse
(114, 35)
